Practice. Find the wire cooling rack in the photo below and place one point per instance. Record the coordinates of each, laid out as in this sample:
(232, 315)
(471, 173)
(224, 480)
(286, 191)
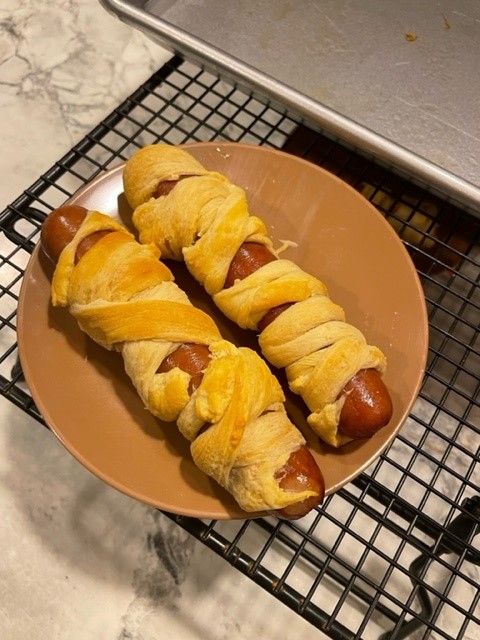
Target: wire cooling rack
(393, 554)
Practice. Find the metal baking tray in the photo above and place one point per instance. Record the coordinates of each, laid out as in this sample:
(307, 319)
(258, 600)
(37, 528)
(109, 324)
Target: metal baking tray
(394, 79)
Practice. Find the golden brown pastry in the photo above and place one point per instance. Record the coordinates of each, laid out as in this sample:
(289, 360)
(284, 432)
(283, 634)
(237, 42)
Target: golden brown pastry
(125, 299)
(199, 216)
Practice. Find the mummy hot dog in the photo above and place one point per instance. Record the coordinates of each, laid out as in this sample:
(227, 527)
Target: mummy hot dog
(224, 399)
(199, 216)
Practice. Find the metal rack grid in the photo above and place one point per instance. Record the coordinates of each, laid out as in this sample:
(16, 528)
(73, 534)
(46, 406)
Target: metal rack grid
(391, 555)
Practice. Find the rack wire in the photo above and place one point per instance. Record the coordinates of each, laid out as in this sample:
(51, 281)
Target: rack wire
(393, 554)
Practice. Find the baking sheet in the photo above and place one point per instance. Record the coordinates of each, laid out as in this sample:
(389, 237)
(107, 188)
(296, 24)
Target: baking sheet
(398, 80)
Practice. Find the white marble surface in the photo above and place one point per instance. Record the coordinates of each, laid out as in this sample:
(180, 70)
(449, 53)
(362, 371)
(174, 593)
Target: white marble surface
(80, 560)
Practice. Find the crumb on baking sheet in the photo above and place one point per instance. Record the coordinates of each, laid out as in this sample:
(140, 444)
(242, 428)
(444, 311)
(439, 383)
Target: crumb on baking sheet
(411, 37)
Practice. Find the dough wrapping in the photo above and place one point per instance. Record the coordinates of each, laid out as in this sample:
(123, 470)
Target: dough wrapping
(203, 221)
(125, 299)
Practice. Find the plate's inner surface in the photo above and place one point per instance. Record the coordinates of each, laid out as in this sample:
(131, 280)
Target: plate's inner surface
(91, 405)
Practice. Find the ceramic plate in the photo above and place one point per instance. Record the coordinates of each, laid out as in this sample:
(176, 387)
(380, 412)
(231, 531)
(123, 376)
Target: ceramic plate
(90, 404)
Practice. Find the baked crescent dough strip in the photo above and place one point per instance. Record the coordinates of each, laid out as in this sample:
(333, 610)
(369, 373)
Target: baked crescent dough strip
(203, 221)
(125, 299)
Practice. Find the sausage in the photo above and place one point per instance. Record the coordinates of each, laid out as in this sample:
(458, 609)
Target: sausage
(248, 259)
(163, 188)
(59, 228)
(367, 406)
(192, 358)
(300, 472)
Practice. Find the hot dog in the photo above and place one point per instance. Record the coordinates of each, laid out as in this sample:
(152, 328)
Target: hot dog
(300, 474)
(357, 409)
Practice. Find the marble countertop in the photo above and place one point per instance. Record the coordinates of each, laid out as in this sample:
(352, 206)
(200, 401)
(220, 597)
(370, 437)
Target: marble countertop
(80, 560)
